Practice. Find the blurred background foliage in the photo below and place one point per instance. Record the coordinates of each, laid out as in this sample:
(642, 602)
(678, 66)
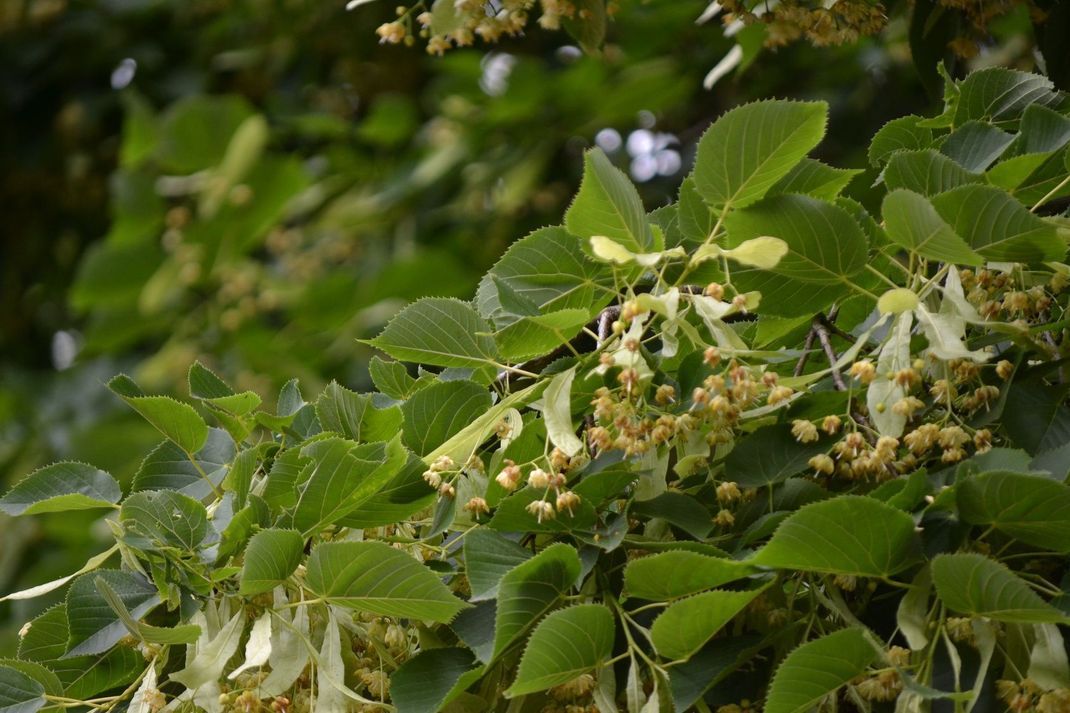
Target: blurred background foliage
(258, 183)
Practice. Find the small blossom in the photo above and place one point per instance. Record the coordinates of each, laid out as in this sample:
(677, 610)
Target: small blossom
(509, 478)
(542, 510)
(446, 490)
(907, 405)
(831, 424)
(433, 478)
(1004, 369)
(539, 478)
(804, 431)
(822, 463)
(728, 492)
(477, 506)
(952, 437)
(712, 357)
(863, 370)
(780, 394)
(391, 33)
(665, 394)
(714, 290)
(567, 500)
(724, 519)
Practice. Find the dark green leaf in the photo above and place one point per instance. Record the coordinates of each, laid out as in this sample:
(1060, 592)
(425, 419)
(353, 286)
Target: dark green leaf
(849, 534)
(270, 558)
(376, 578)
(565, 644)
(61, 487)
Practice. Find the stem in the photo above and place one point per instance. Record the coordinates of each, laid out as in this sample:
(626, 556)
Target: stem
(821, 330)
(1051, 193)
(881, 275)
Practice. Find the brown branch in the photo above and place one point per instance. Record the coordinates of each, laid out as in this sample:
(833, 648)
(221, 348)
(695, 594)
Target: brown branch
(819, 327)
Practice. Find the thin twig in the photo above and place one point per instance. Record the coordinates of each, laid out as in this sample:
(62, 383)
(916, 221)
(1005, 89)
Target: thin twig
(807, 346)
(821, 330)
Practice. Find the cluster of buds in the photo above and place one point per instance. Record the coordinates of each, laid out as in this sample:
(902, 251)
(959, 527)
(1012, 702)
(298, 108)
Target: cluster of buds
(997, 296)
(433, 475)
(950, 439)
(552, 482)
(1027, 695)
(823, 24)
(884, 685)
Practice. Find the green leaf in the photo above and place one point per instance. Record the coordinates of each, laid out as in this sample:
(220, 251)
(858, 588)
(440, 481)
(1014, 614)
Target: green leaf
(19, 693)
(61, 487)
(812, 178)
(678, 573)
(848, 534)
(177, 421)
(437, 413)
(92, 625)
(770, 454)
(430, 679)
(391, 378)
(163, 518)
(549, 269)
(468, 439)
(557, 413)
(270, 558)
(355, 415)
(84, 677)
(998, 226)
(825, 244)
(694, 217)
(440, 332)
(748, 149)
(1030, 508)
(975, 585)
(404, 495)
(45, 676)
(975, 145)
(685, 626)
(45, 638)
(912, 222)
(343, 476)
(565, 644)
(181, 634)
(376, 578)
(1042, 130)
(532, 336)
(999, 94)
(926, 172)
(168, 467)
(902, 134)
(818, 668)
(530, 590)
(608, 204)
(488, 556)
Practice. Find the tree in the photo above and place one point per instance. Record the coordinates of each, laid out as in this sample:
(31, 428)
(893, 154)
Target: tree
(757, 445)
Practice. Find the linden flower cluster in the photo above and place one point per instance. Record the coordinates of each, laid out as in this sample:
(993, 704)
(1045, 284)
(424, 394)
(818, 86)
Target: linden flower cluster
(556, 497)
(627, 419)
(1026, 695)
(822, 24)
(960, 391)
(884, 685)
(468, 19)
(998, 295)
(845, 21)
(373, 637)
(572, 696)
